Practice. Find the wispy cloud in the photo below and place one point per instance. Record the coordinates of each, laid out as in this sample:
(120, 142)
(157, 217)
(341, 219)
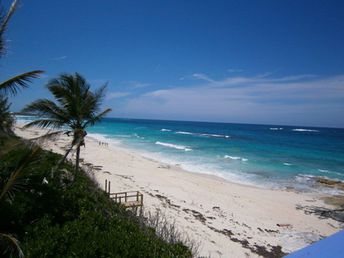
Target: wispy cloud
(136, 84)
(232, 70)
(116, 95)
(296, 99)
(59, 58)
(203, 77)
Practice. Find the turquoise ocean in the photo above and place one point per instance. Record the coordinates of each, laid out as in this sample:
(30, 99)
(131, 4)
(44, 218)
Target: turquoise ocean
(271, 156)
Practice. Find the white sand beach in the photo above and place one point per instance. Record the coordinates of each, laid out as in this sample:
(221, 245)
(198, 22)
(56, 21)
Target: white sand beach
(227, 219)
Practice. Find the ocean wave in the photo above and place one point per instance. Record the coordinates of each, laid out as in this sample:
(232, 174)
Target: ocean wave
(138, 136)
(235, 158)
(330, 172)
(287, 164)
(182, 132)
(324, 170)
(123, 135)
(215, 135)
(276, 128)
(312, 180)
(304, 130)
(203, 134)
(165, 130)
(175, 146)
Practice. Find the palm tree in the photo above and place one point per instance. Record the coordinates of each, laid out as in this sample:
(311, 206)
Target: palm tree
(76, 108)
(16, 82)
(13, 84)
(12, 182)
(6, 118)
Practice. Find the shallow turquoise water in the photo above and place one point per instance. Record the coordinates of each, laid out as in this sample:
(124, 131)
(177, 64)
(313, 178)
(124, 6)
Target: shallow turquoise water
(255, 154)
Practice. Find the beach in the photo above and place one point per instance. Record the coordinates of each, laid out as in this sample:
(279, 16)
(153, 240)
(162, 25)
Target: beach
(226, 219)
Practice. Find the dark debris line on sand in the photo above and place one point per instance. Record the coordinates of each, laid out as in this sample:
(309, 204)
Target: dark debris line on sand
(274, 252)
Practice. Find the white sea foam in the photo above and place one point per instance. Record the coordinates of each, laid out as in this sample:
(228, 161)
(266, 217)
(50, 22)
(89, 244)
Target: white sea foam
(309, 181)
(215, 135)
(304, 130)
(182, 132)
(203, 134)
(323, 170)
(123, 135)
(104, 138)
(165, 130)
(276, 128)
(205, 168)
(330, 172)
(235, 158)
(287, 164)
(175, 146)
(138, 136)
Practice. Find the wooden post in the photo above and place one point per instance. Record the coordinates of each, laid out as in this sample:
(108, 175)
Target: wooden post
(109, 186)
(105, 185)
(125, 197)
(137, 196)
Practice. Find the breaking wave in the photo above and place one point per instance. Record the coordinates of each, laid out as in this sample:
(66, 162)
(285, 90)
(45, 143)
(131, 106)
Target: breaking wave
(235, 158)
(175, 146)
(182, 132)
(203, 134)
(304, 130)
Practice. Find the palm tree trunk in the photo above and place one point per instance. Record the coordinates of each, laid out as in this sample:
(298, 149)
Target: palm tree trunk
(77, 160)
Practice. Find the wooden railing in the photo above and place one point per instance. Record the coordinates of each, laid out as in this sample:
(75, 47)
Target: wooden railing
(130, 199)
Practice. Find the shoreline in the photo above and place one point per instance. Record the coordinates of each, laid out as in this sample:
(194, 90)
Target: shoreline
(175, 166)
(228, 219)
(317, 181)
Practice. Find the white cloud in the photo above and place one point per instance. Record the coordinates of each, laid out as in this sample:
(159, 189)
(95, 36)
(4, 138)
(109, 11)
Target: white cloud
(202, 76)
(299, 99)
(116, 95)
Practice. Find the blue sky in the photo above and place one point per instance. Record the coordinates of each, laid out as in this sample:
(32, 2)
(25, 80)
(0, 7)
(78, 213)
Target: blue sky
(274, 62)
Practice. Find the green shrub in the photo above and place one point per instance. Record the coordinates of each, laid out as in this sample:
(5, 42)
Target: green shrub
(73, 219)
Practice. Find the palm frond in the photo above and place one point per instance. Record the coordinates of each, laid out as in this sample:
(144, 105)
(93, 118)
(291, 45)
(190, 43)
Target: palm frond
(11, 245)
(97, 118)
(3, 25)
(14, 182)
(47, 109)
(6, 118)
(45, 123)
(13, 84)
(50, 135)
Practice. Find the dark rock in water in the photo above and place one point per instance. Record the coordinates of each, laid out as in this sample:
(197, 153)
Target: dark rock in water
(330, 183)
(335, 200)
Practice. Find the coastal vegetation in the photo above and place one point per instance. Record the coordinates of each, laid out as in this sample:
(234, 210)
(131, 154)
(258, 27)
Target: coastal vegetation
(77, 107)
(58, 217)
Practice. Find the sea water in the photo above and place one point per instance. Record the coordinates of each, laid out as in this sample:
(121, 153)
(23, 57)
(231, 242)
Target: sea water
(261, 155)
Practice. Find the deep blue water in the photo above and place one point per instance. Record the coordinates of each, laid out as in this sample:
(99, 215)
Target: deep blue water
(256, 154)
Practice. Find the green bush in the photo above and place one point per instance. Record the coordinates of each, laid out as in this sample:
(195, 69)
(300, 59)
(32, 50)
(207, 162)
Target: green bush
(73, 219)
